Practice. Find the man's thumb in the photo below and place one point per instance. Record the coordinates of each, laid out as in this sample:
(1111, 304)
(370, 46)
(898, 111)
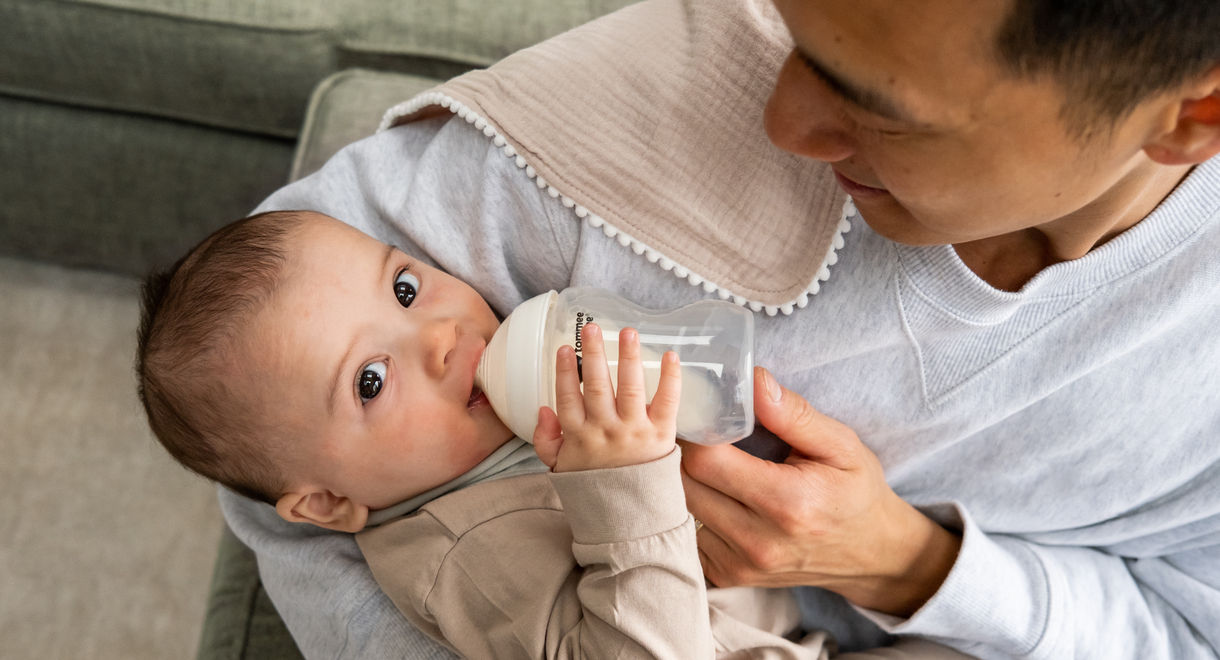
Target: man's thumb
(791, 418)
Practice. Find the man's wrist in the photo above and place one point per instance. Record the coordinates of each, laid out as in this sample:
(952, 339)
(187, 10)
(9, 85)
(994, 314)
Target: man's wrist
(923, 555)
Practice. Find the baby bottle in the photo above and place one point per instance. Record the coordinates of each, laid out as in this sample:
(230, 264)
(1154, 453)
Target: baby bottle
(713, 339)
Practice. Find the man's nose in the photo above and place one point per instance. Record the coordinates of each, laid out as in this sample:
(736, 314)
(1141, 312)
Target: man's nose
(803, 116)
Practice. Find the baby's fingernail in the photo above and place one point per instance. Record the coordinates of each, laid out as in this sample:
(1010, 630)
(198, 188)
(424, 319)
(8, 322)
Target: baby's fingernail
(774, 391)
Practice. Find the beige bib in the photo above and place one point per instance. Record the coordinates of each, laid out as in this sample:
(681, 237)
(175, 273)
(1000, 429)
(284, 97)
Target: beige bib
(648, 123)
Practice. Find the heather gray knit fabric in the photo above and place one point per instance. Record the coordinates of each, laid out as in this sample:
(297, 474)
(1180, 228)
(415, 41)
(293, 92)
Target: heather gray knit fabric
(1069, 429)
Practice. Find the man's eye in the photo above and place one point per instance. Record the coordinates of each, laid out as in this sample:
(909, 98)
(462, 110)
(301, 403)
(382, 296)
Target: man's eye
(371, 379)
(406, 286)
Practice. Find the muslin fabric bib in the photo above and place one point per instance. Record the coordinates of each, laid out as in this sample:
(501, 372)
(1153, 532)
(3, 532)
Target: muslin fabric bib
(655, 135)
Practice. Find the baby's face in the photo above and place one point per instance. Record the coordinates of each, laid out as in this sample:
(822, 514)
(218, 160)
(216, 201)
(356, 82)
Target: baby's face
(367, 356)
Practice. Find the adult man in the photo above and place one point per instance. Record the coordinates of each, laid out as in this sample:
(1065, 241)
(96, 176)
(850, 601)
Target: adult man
(1033, 388)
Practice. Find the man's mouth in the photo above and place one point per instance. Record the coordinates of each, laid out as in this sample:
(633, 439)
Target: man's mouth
(857, 189)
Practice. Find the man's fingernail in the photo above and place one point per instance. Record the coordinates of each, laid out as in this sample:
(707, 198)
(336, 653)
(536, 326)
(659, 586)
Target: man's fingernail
(774, 391)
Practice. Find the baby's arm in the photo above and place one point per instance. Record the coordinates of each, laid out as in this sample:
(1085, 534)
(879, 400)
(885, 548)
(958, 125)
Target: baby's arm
(641, 591)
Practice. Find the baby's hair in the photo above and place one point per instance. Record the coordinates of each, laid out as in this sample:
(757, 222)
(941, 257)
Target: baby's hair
(193, 317)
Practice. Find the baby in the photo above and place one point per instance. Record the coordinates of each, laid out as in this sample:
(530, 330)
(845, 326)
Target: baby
(303, 363)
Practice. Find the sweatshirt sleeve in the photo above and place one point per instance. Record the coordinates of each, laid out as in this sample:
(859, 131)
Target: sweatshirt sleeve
(641, 591)
(443, 192)
(1008, 597)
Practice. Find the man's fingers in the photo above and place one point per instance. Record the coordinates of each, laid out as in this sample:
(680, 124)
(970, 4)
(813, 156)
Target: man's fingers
(793, 420)
(715, 509)
(751, 481)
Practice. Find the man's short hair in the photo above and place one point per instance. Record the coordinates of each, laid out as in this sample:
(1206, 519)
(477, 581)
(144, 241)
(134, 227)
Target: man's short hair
(193, 317)
(1110, 55)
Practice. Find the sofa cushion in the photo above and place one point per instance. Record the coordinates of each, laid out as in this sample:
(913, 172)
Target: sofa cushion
(251, 65)
(346, 107)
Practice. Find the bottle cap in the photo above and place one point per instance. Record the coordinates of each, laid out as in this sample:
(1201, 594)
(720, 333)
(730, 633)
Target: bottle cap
(513, 372)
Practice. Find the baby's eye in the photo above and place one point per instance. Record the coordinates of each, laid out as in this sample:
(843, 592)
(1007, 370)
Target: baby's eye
(406, 286)
(371, 379)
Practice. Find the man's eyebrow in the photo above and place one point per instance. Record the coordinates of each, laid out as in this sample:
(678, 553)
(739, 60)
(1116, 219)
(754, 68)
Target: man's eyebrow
(867, 99)
(337, 386)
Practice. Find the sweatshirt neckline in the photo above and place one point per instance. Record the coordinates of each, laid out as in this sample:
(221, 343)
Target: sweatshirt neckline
(939, 274)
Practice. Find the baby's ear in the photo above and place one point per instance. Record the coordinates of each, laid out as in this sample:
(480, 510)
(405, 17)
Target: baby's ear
(324, 509)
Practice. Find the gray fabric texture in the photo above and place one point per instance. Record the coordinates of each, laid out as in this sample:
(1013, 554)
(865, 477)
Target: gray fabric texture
(250, 66)
(1066, 429)
(129, 129)
(122, 192)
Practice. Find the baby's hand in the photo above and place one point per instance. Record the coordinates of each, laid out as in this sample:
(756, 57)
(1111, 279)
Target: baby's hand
(597, 429)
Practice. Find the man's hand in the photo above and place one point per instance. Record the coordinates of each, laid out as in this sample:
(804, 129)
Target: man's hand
(597, 429)
(824, 517)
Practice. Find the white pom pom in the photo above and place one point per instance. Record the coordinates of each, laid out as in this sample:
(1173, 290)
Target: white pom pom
(786, 309)
(652, 256)
(530, 171)
(755, 306)
(489, 131)
(581, 211)
(550, 190)
(638, 247)
(609, 230)
(709, 287)
(568, 202)
(521, 162)
(771, 310)
(814, 288)
(499, 141)
(665, 264)
(480, 123)
(739, 300)
(680, 271)
(823, 273)
(803, 300)
(832, 258)
(724, 294)
(694, 279)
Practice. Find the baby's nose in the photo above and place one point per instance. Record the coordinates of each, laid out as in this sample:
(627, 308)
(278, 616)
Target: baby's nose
(440, 338)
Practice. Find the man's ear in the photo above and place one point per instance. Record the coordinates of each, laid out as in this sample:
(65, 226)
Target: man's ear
(324, 509)
(1194, 135)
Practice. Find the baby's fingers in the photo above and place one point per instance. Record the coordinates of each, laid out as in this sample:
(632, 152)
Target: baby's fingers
(595, 374)
(664, 406)
(569, 404)
(548, 437)
(630, 394)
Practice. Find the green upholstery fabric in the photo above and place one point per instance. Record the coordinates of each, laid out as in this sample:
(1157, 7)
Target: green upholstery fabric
(348, 106)
(241, 622)
(122, 192)
(131, 128)
(251, 65)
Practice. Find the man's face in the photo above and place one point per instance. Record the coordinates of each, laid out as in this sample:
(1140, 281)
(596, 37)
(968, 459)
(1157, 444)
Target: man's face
(366, 356)
(928, 134)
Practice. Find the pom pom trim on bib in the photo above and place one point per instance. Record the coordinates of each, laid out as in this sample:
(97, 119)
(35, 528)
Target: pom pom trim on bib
(595, 221)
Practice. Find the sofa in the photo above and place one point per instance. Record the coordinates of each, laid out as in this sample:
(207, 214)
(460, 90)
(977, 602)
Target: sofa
(130, 129)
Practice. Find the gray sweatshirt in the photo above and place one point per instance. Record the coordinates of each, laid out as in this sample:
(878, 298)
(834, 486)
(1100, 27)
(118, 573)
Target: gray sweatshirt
(1069, 430)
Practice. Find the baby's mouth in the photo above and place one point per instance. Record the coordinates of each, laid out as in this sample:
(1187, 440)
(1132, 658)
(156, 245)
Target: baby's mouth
(477, 398)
